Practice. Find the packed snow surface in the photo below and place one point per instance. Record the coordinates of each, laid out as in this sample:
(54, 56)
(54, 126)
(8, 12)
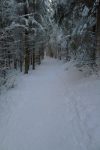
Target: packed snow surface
(55, 107)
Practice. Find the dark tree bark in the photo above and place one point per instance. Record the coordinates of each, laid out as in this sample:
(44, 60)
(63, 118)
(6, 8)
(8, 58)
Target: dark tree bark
(21, 64)
(26, 60)
(27, 52)
(98, 34)
(33, 59)
(15, 63)
(39, 57)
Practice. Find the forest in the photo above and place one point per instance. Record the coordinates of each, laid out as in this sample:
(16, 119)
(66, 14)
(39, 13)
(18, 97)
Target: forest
(65, 30)
(49, 74)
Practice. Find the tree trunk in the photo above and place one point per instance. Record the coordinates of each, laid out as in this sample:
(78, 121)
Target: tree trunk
(26, 60)
(39, 61)
(21, 64)
(98, 35)
(15, 63)
(33, 60)
(27, 52)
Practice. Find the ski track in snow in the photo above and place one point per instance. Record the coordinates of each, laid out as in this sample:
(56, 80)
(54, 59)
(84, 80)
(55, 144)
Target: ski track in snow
(49, 112)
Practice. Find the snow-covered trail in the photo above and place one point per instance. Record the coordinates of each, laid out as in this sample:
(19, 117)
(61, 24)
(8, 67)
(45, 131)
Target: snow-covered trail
(43, 118)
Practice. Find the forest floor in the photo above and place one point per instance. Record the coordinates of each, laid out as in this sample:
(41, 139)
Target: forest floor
(55, 107)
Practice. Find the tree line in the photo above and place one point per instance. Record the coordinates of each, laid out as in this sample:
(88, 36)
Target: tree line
(23, 34)
(77, 31)
(68, 30)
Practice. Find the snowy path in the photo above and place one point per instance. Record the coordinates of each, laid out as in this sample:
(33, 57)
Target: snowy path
(46, 115)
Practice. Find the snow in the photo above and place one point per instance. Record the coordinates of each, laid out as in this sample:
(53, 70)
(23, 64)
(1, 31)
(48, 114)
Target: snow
(56, 107)
(85, 11)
